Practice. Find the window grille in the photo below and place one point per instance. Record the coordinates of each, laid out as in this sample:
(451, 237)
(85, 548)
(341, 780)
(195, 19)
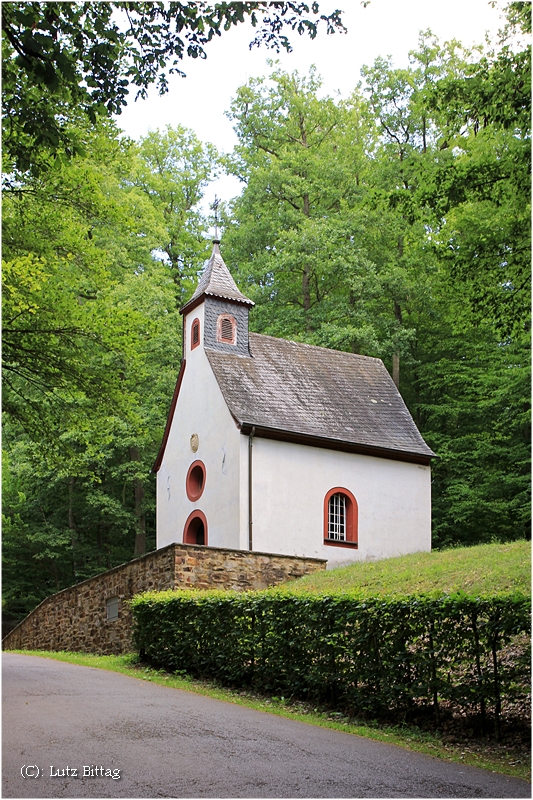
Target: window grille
(226, 329)
(195, 333)
(337, 518)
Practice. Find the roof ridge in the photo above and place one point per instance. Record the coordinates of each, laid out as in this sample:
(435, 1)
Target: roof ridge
(316, 347)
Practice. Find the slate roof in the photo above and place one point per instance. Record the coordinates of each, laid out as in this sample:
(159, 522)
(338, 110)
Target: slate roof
(216, 281)
(304, 391)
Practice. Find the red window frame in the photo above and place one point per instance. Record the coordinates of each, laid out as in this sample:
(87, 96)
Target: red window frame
(220, 320)
(190, 530)
(195, 324)
(351, 522)
(195, 481)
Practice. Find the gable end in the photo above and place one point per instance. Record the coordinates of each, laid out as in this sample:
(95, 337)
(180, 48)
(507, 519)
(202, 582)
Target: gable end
(159, 459)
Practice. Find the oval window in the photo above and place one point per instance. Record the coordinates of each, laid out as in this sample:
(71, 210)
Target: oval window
(195, 482)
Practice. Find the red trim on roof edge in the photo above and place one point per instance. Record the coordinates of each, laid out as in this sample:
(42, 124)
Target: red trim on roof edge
(159, 459)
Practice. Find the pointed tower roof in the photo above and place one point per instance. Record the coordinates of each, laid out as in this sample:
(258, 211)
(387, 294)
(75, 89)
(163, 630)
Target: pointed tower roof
(216, 281)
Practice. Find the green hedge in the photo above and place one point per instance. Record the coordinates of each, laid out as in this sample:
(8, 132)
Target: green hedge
(366, 656)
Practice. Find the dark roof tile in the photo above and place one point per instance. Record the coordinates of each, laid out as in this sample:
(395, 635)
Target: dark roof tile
(216, 280)
(311, 391)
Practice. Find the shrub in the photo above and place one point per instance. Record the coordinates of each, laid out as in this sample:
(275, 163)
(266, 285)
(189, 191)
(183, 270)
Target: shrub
(364, 656)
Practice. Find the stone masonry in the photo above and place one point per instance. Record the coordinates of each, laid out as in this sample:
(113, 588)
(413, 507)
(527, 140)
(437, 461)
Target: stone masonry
(76, 618)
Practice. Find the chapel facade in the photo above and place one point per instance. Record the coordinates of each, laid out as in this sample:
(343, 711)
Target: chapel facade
(276, 446)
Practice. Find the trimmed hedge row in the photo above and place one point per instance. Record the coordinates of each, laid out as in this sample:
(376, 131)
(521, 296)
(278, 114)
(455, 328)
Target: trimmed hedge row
(365, 656)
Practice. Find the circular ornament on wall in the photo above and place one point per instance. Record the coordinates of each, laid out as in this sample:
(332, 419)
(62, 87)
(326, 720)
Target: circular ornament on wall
(194, 442)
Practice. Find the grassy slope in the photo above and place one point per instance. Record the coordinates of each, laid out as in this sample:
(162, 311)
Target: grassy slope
(486, 569)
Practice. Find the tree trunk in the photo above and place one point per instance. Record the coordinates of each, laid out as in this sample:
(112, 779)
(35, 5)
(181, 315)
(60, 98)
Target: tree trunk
(306, 292)
(140, 518)
(72, 526)
(396, 370)
(396, 356)
(99, 545)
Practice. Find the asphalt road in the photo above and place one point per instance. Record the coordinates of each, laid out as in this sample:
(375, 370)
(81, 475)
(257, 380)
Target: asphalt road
(61, 720)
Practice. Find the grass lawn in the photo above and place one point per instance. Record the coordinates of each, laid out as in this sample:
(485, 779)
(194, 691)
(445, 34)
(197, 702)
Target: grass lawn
(486, 755)
(482, 570)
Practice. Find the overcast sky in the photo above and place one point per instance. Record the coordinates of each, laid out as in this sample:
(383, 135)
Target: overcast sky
(384, 27)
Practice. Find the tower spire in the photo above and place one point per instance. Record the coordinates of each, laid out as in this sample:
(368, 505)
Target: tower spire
(217, 281)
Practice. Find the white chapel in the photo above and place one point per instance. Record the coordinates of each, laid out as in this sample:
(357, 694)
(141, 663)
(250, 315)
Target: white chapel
(281, 447)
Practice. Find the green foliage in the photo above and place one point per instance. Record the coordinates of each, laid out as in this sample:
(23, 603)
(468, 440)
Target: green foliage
(59, 58)
(291, 237)
(398, 227)
(366, 657)
(92, 340)
(394, 224)
(67, 239)
(172, 170)
(481, 190)
(475, 407)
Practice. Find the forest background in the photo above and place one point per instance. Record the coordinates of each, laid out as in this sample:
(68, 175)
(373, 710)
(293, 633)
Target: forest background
(394, 223)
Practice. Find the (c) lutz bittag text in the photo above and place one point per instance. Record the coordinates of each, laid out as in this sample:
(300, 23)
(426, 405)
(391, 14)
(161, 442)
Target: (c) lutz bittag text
(87, 771)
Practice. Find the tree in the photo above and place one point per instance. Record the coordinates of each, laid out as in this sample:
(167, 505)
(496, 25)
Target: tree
(101, 241)
(479, 187)
(67, 236)
(58, 57)
(474, 379)
(320, 228)
(386, 243)
(410, 137)
(474, 406)
(172, 169)
(82, 498)
(289, 237)
(92, 339)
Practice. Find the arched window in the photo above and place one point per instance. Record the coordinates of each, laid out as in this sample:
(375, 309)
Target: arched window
(226, 329)
(195, 531)
(340, 518)
(195, 333)
(195, 481)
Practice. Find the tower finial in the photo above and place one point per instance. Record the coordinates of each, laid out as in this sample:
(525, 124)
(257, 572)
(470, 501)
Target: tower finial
(214, 206)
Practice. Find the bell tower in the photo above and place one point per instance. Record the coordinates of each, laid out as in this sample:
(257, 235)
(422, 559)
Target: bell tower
(216, 316)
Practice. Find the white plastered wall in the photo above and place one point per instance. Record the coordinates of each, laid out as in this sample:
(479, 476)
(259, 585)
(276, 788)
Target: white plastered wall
(290, 482)
(200, 409)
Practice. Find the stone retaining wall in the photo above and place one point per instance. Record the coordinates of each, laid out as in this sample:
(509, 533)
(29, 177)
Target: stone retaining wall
(75, 619)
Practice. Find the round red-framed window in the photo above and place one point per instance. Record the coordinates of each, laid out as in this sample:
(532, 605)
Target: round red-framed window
(195, 482)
